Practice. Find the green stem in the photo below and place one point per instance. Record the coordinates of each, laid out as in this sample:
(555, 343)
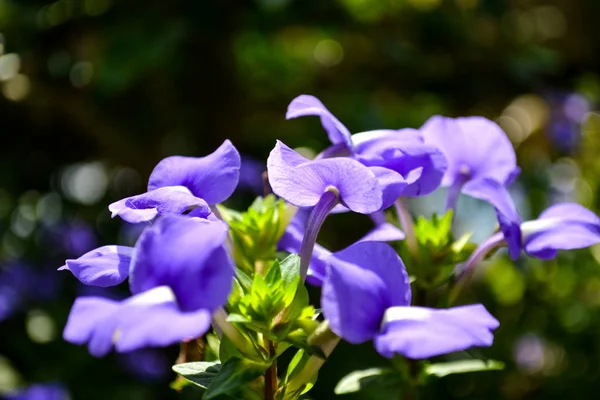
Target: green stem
(271, 373)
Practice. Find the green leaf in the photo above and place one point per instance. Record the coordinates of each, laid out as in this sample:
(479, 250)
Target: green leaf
(462, 366)
(233, 376)
(373, 377)
(200, 373)
(273, 276)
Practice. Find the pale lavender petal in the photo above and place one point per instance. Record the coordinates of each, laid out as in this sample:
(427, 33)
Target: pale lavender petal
(188, 255)
(165, 200)
(302, 184)
(212, 178)
(305, 105)
(362, 281)
(86, 314)
(392, 185)
(473, 146)
(104, 266)
(385, 232)
(404, 151)
(508, 217)
(563, 226)
(418, 332)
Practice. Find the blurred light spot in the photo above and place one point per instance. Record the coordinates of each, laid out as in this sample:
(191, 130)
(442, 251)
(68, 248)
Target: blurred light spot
(563, 175)
(528, 353)
(511, 127)
(576, 107)
(21, 225)
(49, 208)
(96, 7)
(585, 194)
(530, 112)
(58, 63)
(12, 245)
(506, 282)
(10, 64)
(57, 13)
(520, 24)
(81, 74)
(328, 52)
(1, 44)
(425, 5)
(40, 327)
(17, 88)
(9, 377)
(550, 23)
(591, 124)
(274, 5)
(85, 183)
(574, 318)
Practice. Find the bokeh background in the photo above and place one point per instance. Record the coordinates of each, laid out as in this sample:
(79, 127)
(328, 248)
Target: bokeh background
(93, 93)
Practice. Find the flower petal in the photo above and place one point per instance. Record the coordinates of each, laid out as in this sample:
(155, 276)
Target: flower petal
(563, 226)
(474, 145)
(186, 254)
(165, 200)
(508, 216)
(212, 178)
(405, 152)
(418, 332)
(362, 281)
(304, 105)
(303, 183)
(104, 266)
(385, 232)
(392, 185)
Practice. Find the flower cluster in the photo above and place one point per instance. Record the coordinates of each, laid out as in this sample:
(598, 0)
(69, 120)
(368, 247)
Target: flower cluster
(202, 271)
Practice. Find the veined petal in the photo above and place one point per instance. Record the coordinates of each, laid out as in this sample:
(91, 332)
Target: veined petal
(303, 183)
(165, 200)
(188, 255)
(104, 266)
(392, 185)
(563, 226)
(304, 105)
(418, 332)
(405, 152)
(362, 281)
(473, 146)
(212, 178)
(508, 216)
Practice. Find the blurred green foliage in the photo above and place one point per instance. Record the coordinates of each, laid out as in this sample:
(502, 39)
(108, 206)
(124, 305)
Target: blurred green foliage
(95, 92)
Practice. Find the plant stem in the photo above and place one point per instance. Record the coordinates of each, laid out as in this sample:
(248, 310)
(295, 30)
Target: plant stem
(220, 323)
(406, 222)
(271, 373)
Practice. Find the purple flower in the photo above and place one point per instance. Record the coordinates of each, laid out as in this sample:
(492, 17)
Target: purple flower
(48, 391)
(180, 274)
(563, 226)
(401, 152)
(178, 184)
(366, 295)
(481, 162)
(303, 182)
(291, 241)
(104, 266)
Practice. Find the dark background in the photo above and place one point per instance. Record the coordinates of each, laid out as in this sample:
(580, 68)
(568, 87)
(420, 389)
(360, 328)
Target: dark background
(93, 93)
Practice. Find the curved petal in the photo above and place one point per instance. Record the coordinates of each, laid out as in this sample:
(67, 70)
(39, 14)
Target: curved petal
(304, 105)
(132, 324)
(165, 200)
(563, 226)
(474, 146)
(362, 281)
(302, 184)
(405, 152)
(212, 178)
(384, 232)
(392, 185)
(508, 216)
(418, 332)
(186, 254)
(104, 266)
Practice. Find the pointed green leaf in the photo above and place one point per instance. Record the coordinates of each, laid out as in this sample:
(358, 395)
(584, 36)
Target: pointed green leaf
(462, 366)
(233, 376)
(373, 377)
(200, 373)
